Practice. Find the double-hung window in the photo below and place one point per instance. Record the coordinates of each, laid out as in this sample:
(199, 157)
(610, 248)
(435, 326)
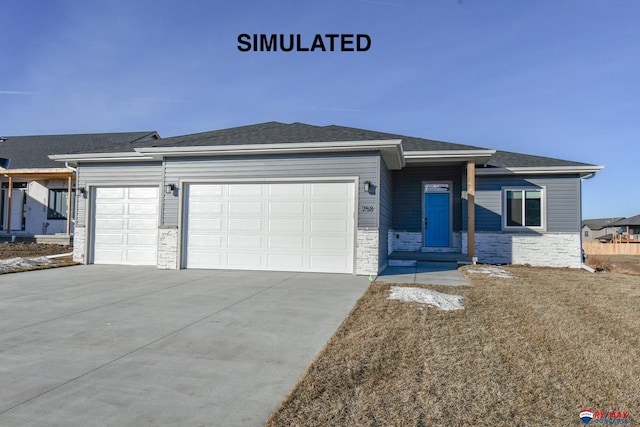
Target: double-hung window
(523, 208)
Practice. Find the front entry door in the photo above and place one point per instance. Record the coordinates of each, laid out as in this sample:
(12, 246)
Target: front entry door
(437, 229)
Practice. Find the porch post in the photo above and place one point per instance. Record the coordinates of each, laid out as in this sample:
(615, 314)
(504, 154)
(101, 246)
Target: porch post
(9, 200)
(471, 207)
(69, 205)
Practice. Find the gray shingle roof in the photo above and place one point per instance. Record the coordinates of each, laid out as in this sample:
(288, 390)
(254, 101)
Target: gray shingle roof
(27, 152)
(633, 220)
(276, 132)
(600, 223)
(504, 159)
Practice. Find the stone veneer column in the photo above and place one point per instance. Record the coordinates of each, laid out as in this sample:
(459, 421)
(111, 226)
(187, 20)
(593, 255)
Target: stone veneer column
(168, 248)
(79, 242)
(367, 251)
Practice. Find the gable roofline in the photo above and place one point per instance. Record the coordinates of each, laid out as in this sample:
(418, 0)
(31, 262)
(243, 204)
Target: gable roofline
(391, 151)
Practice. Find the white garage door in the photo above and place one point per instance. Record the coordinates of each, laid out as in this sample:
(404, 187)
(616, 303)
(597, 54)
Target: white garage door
(275, 226)
(125, 227)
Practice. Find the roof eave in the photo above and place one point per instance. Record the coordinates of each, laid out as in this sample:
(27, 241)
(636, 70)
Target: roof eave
(100, 157)
(540, 170)
(480, 157)
(391, 150)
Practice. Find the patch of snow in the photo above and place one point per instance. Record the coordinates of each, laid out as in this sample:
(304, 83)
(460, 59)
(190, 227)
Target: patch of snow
(427, 296)
(492, 271)
(15, 263)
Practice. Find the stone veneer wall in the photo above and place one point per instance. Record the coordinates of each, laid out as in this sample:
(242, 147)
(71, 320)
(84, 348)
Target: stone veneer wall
(404, 241)
(79, 244)
(168, 248)
(367, 251)
(547, 249)
(412, 241)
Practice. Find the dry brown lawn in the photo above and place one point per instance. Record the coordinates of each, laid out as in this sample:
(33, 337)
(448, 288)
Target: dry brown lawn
(28, 250)
(529, 351)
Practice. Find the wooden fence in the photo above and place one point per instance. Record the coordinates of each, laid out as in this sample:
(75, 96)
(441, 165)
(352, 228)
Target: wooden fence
(597, 248)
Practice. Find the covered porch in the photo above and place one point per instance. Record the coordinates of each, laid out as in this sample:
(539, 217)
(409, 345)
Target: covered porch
(25, 177)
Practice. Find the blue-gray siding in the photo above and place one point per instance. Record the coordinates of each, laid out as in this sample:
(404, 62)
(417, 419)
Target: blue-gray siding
(365, 166)
(562, 201)
(385, 195)
(407, 195)
(114, 174)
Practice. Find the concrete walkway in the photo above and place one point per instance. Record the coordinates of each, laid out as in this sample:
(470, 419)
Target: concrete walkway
(432, 273)
(136, 346)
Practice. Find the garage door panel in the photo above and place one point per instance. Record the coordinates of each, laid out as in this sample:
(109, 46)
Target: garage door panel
(244, 260)
(205, 208)
(137, 194)
(272, 226)
(330, 189)
(286, 243)
(106, 193)
(285, 262)
(340, 209)
(110, 224)
(146, 209)
(329, 225)
(289, 225)
(206, 190)
(286, 208)
(245, 190)
(295, 191)
(244, 241)
(111, 208)
(245, 224)
(125, 225)
(338, 243)
(109, 239)
(245, 208)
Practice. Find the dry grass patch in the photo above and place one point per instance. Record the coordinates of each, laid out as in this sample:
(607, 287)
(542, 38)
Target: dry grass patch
(623, 264)
(532, 350)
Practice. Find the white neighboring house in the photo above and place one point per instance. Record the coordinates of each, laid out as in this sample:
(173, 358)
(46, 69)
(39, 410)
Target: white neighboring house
(34, 190)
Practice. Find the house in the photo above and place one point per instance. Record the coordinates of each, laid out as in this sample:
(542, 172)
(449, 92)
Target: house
(598, 228)
(299, 197)
(629, 229)
(34, 189)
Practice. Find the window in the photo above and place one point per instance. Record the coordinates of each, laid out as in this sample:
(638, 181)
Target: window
(58, 203)
(522, 208)
(586, 233)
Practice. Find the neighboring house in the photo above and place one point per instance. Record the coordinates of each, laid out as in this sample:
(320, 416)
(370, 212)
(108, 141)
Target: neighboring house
(34, 197)
(629, 228)
(298, 197)
(598, 228)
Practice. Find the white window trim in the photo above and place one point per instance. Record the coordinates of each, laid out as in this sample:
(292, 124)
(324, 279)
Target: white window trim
(543, 208)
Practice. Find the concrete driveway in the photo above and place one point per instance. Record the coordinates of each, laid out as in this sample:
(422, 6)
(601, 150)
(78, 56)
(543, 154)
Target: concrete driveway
(132, 346)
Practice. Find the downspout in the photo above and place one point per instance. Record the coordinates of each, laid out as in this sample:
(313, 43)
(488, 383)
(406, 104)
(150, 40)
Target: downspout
(584, 178)
(75, 171)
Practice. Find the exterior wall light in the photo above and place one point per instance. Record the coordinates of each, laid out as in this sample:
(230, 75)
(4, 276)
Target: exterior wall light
(169, 188)
(367, 186)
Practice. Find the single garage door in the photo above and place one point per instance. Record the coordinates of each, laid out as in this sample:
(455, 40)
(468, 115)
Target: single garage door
(125, 226)
(296, 226)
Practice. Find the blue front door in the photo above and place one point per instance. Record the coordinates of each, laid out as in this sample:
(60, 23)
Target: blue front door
(436, 219)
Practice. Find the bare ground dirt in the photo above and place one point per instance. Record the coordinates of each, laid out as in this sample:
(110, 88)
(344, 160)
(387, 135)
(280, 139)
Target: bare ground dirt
(33, 250)
(528, 351)
(30, 250)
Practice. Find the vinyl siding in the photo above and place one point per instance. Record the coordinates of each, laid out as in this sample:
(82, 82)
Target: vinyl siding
(385, 195)
(114, 174)
(185, 169)
(562, 201)
(407, 195)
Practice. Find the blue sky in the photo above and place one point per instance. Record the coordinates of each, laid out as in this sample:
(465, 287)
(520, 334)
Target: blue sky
(549, 77)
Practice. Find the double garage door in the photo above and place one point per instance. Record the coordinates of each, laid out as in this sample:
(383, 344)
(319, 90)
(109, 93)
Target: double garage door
(287, 226)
